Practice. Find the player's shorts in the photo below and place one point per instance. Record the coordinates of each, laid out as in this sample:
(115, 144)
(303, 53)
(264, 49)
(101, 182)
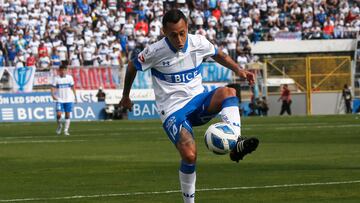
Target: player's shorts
(194, 113)
(64, 107)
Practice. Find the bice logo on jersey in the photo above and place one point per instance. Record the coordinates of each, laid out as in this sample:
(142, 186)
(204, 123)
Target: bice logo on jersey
(184, 77)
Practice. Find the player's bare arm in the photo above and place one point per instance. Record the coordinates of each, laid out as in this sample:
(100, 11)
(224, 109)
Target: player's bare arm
(226, 61)
(74, 91)
(125, 101)
(53, 90)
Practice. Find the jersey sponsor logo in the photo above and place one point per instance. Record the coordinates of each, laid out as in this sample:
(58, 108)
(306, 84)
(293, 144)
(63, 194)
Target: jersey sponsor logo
(63, 85)
(181, 77)
(185, 77)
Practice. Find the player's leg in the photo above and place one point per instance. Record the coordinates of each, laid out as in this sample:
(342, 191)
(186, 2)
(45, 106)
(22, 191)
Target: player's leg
(288, 108)
(68, 109)
(59, 110)
(187, 175)
(283, 108)
(179, 131)
(224, 99)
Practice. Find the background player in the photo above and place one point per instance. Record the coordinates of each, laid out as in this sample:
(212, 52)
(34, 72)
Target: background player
(64, 93)
(180, 97)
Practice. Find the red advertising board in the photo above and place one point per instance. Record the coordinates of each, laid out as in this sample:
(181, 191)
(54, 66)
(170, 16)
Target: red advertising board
(89, 78)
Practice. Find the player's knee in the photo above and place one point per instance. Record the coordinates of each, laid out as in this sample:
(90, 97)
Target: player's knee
(228, 92)
(231, 92)
(189, 157)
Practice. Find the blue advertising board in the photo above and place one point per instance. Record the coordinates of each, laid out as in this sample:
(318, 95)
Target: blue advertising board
(144, 110)
(38, 107)
(356, 106)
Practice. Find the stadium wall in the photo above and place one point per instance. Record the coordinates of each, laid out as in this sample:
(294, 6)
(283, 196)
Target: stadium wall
(303, 46)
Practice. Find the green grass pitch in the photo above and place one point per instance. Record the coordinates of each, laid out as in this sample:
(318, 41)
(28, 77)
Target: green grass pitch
(299, 159)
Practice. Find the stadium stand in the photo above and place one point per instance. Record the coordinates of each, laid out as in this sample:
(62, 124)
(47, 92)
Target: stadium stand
(106, 32)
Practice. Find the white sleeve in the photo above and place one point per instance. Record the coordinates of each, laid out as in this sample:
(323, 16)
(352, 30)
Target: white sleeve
(145, 59)
(71, 81)
(206, 48)
(54, 83)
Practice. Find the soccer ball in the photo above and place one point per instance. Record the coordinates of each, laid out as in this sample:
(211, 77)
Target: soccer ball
(220, 138)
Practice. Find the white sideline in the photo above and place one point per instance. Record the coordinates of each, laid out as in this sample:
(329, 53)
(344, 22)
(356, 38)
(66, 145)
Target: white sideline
(177, 191)
(39, 141)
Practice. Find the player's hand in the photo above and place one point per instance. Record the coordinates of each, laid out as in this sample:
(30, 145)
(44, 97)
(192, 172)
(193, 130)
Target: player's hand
(126, 103)
(55, 98)
(250, 77)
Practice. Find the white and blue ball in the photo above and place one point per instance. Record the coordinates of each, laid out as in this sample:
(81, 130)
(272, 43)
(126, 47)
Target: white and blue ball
(220, 138)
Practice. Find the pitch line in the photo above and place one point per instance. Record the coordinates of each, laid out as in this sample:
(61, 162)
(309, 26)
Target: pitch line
(39, 141)
(178, 191)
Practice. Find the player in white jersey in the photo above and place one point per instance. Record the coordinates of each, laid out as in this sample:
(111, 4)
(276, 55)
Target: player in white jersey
(63, 92)
(174, 62)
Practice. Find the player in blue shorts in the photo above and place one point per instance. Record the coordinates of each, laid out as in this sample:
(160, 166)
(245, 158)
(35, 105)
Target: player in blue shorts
(63, 92)
(174, 62)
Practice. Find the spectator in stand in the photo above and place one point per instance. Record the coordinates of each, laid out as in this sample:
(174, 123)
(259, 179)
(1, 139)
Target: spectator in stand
(115, 56)
(42, 50)
(296, 12)
(231, 44)
(273, 19)
(74, 56)
(129, 27)
(138, 23)
(44, 63)
(69, 8)
(88, 51)
(63, 53)
(55, 58)
(142, 27)
(338, 31)
(316, 31)
(70, 37)
(321, 16)
(31, 60)
(242, 60)
(328, 29)
(12, 54)
(154, 33)
(2, 59)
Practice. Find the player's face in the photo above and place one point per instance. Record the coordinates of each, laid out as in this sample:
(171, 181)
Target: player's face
(62, 72)
(176, 33)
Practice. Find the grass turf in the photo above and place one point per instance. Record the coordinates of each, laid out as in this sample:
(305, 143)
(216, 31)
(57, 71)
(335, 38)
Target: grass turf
(114, 160)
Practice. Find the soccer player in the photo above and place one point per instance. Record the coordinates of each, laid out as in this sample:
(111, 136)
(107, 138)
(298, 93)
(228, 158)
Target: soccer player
(63, 92)
(174, 62)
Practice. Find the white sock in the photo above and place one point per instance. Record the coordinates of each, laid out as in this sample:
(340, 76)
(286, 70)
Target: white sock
(231, 115)
(59, 123)
(67, 124)
(187, 182)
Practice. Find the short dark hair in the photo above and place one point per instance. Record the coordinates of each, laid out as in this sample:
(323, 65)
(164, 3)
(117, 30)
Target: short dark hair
(173, 16)
(62, 66)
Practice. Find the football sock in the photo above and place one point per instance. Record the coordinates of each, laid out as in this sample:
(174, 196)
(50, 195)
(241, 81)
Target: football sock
(67, 124)
(59, 122)
(187, 177)
(230, 113)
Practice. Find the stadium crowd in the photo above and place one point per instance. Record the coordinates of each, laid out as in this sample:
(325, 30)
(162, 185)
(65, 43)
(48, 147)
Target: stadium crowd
(45, 33)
